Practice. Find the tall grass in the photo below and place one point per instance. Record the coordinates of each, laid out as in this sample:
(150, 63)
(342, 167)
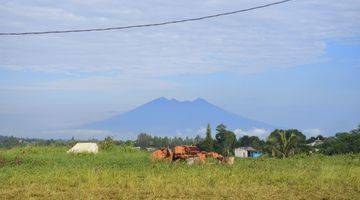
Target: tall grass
(50, 173)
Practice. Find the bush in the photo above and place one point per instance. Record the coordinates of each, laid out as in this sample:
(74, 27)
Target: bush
(107, 144)
(342, 143)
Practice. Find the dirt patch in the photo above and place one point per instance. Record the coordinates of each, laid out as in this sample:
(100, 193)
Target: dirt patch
(16, 161)
(13, 161)
(2, 161)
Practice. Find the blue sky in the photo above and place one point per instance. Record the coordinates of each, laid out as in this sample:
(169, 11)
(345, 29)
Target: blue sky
(294, 65)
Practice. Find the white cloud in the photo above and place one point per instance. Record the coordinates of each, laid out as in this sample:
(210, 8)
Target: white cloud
(281, 36)
(146, 60)
(97, 83)
(313, 132)
(259, 132)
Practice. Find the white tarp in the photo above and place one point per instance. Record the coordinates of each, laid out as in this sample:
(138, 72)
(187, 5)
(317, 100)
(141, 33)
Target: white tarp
(84, 148)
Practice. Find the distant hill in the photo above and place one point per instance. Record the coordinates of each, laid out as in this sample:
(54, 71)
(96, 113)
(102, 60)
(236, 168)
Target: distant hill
(169, 117)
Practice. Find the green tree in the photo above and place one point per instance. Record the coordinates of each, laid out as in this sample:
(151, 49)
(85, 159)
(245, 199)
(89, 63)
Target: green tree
(208, 143)
(250, 141)
(129, 143)
(225, 140)
(144, 140)
(243, 141)
(107, 144)
(356, 130)
(284, 143)
(198, 140)
(342, 143)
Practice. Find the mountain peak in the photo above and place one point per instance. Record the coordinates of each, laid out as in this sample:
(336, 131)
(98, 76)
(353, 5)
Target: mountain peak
(200, 100)
(174, 100)
(170, 116)
(159, 100)
(162, 99)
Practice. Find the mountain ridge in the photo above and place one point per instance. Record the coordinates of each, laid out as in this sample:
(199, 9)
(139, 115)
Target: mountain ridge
(164, 116)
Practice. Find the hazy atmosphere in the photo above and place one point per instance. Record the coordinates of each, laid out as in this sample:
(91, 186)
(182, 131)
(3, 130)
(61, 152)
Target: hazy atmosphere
(292, 65)
(210, 99)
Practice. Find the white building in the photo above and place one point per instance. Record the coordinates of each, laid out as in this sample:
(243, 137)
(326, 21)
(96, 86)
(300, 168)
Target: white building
(150, 149)
(247, 152)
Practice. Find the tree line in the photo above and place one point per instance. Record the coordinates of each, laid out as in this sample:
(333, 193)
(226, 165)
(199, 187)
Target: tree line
(280, 143)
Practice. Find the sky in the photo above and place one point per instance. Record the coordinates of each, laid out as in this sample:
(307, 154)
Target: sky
(294, 65)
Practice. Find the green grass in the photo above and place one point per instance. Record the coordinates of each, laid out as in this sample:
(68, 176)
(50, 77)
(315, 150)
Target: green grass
(49, 173)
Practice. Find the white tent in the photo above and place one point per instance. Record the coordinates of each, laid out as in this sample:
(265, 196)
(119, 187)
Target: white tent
(84, 148)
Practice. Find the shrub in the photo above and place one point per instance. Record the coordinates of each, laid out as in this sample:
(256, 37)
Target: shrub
(107, 144)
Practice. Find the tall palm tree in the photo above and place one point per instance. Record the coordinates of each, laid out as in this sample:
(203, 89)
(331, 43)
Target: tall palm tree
(284, 142)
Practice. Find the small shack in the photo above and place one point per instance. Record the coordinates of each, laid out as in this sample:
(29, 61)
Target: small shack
(247, 152)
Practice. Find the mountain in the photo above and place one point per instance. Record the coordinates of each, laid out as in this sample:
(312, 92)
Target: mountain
(169, 116)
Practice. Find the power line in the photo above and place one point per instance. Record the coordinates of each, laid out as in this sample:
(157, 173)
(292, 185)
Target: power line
(146, 25)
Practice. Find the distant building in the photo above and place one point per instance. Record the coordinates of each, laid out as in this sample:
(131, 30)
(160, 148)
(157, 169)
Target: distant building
(315, 144)
(247, 152)
(150, 149)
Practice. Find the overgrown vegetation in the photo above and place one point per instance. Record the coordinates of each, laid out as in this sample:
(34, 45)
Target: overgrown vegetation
(224, 141)
(125, 173)
(107, 144)
(280, 143)
(285, 143)
(41, 169)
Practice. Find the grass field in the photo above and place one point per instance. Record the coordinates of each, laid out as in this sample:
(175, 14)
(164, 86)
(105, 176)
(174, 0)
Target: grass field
(49, 173)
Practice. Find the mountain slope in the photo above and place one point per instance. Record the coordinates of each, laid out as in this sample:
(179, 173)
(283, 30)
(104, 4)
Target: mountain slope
(168, 117)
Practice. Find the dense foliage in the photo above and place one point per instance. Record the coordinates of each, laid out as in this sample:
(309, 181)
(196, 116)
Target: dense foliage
(345, 142)
(250, 141)
(285, 143)
(8, 142)
(11, 141)
(145, 140)
(208, 143)
(107, 144)
(225, 141)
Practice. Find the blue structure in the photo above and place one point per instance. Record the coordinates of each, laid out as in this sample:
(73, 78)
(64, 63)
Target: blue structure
(247, 152)
(254, 154)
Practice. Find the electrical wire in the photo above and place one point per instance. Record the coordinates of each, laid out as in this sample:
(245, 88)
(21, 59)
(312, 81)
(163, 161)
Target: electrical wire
(145, 25)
